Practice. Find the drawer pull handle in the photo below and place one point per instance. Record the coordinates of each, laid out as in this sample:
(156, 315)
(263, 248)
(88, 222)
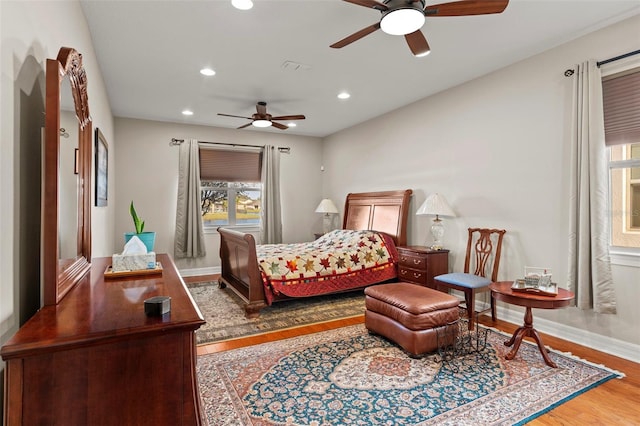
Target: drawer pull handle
(415, 275)
(417, 261)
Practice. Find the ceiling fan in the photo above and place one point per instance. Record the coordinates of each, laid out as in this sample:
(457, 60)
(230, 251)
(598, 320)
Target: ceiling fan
(262, 119)
(406, 17)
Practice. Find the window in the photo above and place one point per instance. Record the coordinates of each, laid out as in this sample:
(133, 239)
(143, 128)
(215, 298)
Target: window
(621, 102)
(625, 195)
(217, 197)
(230, 187)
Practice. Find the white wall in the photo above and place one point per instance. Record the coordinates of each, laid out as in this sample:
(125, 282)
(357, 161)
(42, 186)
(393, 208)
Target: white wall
(147, 173)
(30, 33)
(497, 149)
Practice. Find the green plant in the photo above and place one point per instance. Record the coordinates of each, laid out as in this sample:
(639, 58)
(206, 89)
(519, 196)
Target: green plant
(137, 222)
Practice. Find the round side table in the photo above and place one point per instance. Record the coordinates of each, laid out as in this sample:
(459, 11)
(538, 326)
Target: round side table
(502, 291)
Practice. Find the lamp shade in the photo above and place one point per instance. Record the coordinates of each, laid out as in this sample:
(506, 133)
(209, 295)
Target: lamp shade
(436, 205)
(326, 206)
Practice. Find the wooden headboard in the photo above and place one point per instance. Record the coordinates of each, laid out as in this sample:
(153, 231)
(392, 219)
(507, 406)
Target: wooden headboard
(385, 211)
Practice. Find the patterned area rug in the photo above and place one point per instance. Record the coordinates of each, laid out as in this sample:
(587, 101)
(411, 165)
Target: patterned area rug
(222, 309)
(348, 377)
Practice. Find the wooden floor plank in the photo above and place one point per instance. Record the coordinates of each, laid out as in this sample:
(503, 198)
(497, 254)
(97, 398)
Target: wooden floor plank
(200, 278)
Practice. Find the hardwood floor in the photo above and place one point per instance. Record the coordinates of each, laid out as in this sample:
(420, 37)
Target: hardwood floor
(200, 278)
(612, 403)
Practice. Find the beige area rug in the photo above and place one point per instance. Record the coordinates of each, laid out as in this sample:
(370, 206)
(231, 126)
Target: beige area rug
(222, 309)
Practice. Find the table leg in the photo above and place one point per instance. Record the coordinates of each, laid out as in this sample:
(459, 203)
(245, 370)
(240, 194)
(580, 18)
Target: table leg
(518, 331)
(543, 350)
(524, 331)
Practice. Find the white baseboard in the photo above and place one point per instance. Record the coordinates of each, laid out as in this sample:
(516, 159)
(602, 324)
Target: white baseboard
(579, 336)
(200, 271)
(586, 338)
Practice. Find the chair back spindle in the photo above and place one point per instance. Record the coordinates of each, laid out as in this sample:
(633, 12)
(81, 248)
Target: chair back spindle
(484, 247)
(483, 251)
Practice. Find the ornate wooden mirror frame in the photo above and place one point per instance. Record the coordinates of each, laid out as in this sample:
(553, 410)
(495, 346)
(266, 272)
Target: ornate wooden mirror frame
(60, 275)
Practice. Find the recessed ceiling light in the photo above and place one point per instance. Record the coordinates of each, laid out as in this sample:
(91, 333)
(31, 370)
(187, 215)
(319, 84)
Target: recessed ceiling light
(242, 4)
(343, 95)
(291, 124)
(187, 112)
(207, 71)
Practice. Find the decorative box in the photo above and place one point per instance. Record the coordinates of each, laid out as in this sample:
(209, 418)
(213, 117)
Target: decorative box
(133, 262)
(157, 306)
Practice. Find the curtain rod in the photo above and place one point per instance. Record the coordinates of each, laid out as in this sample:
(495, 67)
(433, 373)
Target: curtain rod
(617, 58)
(569, 72)
(175, 142)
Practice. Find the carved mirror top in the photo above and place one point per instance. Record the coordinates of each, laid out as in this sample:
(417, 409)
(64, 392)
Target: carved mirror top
(71, 66)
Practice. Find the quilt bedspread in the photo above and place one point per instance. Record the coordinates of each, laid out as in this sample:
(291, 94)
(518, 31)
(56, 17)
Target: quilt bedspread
(337, 261)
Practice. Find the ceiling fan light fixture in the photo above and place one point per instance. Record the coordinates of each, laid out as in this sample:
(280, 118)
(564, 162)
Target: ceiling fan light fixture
(261, 123)
(402, 21)
(422, 54)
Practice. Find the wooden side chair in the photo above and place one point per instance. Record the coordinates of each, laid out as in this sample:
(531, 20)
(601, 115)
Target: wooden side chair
(483, 255)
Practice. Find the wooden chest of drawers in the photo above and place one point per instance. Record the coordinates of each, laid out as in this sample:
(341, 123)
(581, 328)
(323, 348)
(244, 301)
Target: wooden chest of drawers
(419, 264)
(96, 358)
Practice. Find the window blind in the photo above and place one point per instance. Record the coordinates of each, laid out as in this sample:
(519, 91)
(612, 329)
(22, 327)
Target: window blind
(621, 102)
(230, 166)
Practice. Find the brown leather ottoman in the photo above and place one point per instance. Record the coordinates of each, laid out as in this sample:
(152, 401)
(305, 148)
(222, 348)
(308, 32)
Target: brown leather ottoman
(410, 315)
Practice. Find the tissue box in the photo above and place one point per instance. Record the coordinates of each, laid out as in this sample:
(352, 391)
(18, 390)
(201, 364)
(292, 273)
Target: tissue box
(133, 262)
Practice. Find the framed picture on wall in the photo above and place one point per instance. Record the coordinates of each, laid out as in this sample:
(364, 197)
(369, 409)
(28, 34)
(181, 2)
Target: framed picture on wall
(102, 169)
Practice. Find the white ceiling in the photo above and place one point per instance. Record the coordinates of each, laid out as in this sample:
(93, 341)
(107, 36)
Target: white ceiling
(150, 54)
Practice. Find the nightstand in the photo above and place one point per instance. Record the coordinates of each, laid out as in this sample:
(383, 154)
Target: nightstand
(419, 264)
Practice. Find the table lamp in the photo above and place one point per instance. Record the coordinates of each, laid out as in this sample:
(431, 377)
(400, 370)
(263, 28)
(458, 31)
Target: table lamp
(327, 207)
(437, 205)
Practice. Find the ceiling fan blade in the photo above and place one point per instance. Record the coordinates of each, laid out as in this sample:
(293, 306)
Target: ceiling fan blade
(417, 43)
(463, 8)
(356, 36)
(246, 125)
(369, 3)
(279, 126)
(261, 107)
(289, 117)
(236, 116)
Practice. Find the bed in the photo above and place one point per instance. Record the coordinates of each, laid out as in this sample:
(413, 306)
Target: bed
(264, 274)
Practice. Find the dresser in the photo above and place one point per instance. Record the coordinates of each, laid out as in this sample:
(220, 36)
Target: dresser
(96, 358)
(419, 264)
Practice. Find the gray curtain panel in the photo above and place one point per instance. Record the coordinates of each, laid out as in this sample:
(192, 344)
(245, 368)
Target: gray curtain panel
(189, 238)
(589, 274)
(271, 232)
